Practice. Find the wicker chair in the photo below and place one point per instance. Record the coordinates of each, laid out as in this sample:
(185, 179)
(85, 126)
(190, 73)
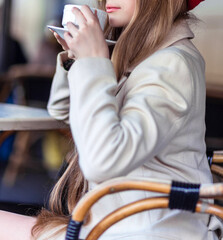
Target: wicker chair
(216, 162)
(191, 193)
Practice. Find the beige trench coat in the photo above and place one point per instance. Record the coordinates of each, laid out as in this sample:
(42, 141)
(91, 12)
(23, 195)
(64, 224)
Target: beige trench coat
(149, 125)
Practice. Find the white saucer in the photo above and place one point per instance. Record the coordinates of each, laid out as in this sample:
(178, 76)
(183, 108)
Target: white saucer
(60, 31)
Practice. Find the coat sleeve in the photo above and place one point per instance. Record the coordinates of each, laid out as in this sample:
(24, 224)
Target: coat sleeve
(59, 101)
(114, 140)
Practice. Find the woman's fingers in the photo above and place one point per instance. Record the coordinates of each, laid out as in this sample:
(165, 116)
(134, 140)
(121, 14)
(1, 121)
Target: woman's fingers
(61, 41)
(89, 15)
(81, 20)
(71, 55)
(72, 34)
(64, 45)
(85, 16)
(72, 29)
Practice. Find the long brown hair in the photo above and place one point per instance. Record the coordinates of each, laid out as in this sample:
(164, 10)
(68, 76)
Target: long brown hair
(147, 30)
(63, 198)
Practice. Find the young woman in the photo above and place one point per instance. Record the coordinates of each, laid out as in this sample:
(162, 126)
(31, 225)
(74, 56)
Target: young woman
(140, 114)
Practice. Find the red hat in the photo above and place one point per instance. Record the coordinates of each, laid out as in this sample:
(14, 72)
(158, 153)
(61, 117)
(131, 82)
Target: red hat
(193, 3)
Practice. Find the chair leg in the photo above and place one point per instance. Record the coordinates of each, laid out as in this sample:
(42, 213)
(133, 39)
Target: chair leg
(17, 158)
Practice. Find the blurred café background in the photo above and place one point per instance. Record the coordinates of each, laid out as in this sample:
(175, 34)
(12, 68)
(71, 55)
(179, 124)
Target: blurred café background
(28, 53)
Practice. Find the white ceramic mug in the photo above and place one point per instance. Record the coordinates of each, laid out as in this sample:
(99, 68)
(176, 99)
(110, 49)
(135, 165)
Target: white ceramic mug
(68, 16)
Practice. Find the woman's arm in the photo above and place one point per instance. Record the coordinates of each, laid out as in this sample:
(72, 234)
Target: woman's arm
(76, 46)
(15, 226)
(59, 101)
(112, 140)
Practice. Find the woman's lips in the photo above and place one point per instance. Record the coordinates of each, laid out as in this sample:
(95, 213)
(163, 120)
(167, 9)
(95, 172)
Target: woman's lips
(111, 9)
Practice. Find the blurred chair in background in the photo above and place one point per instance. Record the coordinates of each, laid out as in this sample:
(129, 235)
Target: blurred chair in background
(14, 55)
(28, 82)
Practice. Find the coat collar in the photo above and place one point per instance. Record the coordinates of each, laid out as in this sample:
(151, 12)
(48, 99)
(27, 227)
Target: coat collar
(179, 32)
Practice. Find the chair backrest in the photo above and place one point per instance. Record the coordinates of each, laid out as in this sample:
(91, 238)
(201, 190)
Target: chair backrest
(215, 159)
(191, 193)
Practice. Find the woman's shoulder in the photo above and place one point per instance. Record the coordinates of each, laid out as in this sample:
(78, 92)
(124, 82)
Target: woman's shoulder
(179, 53)
(179, 59)
(178, 67)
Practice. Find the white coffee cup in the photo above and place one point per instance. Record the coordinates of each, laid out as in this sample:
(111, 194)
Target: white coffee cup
(68, 16)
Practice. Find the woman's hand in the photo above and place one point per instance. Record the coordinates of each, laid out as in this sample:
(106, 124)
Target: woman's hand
(88, 40)
(63, 44)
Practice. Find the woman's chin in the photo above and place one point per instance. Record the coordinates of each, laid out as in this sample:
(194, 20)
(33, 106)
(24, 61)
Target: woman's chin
(116, 24)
